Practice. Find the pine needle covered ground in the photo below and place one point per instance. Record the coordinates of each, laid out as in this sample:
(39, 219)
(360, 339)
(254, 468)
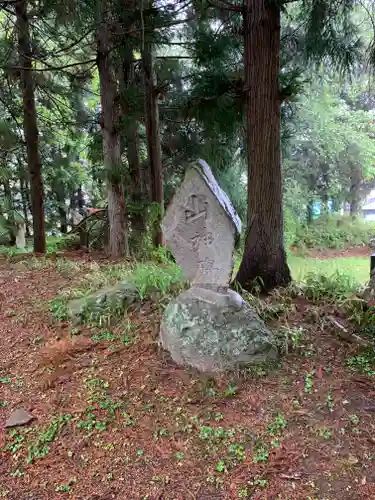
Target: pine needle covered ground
(115, 418)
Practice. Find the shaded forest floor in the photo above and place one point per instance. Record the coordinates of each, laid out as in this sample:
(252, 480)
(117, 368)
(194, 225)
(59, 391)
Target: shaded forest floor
(115, 418)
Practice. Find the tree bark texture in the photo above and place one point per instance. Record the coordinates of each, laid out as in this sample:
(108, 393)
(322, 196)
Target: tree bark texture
(109, 97)
(30, 126)
(131, 133)
(264, 256)
(153, 135)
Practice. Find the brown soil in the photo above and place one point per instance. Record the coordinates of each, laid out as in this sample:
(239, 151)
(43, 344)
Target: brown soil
(120, 420)
(331, 253)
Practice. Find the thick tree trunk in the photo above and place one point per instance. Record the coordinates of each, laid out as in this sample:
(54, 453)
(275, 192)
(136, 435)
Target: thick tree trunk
(118, 233)
(153, 135)
(131, 132)
(30, 126)
(264, 255)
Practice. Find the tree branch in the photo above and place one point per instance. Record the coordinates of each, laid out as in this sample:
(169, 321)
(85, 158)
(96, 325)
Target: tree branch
(225, 5)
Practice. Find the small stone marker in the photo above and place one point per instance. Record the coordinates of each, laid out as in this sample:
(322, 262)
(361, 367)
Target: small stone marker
(209, 326)
(21, 235)
(18, 418)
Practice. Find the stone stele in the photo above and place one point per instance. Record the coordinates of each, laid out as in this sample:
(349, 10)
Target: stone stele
(209, 326)
(200, 227)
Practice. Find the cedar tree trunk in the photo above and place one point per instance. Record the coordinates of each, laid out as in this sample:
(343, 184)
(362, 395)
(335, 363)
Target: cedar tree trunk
(118, 232)
(131, 126)
(153, 135)
(264, 255)
(30, 126)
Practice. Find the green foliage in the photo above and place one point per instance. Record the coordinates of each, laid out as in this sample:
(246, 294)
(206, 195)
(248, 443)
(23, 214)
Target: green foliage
(330, 232)
(41, 446)
(363, 362)
(59, 309)
(150, 278)
(336, 287)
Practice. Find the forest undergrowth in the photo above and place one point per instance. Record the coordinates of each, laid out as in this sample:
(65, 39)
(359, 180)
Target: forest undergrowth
(114, 417)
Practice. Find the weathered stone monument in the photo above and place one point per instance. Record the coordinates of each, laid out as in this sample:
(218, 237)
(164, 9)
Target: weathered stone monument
(209, 326)
(21, 234)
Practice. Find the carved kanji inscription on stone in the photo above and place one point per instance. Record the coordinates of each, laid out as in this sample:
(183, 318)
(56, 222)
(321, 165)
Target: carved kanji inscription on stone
(200, 226)
(196, 208)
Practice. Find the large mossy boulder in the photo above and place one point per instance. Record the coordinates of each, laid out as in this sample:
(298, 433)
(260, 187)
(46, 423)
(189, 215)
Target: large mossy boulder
(112, 299)
(214, 332)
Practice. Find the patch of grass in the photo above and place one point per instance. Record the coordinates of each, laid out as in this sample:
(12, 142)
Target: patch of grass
(276, 427)
(40, 447)
(17, 438)
(357, 268)
(150, 278)
(59, 308)
(260, 370)
(67, 266)
(104, 336)
(261, 454)
(363, 362)
(142, 281)
(230, 391)
(207, 432)
(325, 433)
(308, 382)
(12, 251)
(65, 487)
(102, 408)
(336, 287)
(330, 403)
(290, 337)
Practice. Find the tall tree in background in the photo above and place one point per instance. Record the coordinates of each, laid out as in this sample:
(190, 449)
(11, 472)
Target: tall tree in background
(30, 125)
(110, 109)
(264, 254)
(151, 94)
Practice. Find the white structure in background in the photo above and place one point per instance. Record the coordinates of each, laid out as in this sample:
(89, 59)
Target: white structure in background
(369, 207)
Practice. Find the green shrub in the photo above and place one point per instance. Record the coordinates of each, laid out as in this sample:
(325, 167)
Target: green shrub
(291, 227)
(57, 243)
(329, 232)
